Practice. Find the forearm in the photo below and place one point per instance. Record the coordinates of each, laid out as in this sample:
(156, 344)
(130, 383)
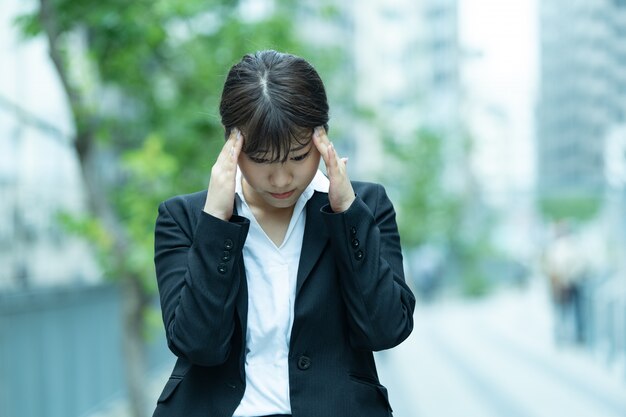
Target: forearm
(198, 281)
(369, 259)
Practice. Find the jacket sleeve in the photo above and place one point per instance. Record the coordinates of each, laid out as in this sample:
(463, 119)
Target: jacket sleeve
(198, 280)
(366, 244)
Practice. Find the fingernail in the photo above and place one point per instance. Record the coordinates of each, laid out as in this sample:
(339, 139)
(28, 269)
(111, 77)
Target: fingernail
(238, 135)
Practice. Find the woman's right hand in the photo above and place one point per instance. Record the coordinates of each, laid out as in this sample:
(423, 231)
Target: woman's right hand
(221, 194)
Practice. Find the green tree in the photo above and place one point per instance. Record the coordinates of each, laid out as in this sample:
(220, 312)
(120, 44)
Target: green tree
(143, 80)
(429, 212)
(426, 210)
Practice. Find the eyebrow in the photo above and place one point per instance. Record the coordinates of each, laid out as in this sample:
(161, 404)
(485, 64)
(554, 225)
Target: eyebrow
(297, 148)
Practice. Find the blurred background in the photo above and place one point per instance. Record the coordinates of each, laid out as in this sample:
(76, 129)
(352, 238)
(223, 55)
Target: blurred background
(497, 126)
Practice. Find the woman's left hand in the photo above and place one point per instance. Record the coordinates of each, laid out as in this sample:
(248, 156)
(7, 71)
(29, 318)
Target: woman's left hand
(341, 193)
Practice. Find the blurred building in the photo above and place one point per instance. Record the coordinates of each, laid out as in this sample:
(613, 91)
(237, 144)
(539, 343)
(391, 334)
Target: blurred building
(581, 111)
(499, 76)
(582, 93)
(385, 46)
(439, 66)
(39, 176)
(407, 64)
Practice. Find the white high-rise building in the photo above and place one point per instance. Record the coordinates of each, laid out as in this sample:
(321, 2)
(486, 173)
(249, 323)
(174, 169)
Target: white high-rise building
(582, 93)
(406, 64)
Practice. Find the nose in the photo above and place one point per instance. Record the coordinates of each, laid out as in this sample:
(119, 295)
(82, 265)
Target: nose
(280, 177)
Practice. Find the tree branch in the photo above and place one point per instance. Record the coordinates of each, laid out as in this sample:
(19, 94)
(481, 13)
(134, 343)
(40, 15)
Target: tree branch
(85, 138)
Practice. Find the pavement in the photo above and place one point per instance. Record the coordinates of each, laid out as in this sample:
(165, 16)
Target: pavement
(497, 358)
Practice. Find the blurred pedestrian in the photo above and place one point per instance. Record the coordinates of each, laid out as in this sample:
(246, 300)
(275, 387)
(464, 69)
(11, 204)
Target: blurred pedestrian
(566, 269)
(278, 282)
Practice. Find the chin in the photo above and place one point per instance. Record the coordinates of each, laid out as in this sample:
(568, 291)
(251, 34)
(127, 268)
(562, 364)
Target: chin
(284, 203)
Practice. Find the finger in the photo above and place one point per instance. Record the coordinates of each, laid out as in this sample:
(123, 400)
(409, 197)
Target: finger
(332, 164)
(319, 143)
(321, 132)
(237, 146)
(340, 161)
(228, 149)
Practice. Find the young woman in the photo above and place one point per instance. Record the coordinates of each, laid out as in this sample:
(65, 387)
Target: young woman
(278, 282)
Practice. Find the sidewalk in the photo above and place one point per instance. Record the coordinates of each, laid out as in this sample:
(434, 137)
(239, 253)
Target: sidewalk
(495, 358)
(118, 407)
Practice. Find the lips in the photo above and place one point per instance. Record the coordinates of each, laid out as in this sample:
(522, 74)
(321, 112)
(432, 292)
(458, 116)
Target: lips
(282, 196)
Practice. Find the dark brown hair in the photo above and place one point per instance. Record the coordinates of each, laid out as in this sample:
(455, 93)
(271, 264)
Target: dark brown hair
(276, 100)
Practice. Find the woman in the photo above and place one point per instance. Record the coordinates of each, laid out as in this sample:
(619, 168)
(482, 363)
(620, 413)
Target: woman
(277, 283)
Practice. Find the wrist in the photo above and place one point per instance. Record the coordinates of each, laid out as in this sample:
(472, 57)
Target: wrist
(345, 205)
(220, 214)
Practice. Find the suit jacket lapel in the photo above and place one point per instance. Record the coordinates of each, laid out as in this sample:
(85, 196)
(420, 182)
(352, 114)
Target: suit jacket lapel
(315, 237)
(314, 241)
(242, 296)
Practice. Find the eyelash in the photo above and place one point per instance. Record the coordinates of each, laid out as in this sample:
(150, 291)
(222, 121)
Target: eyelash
(300, 157)
(265, 161)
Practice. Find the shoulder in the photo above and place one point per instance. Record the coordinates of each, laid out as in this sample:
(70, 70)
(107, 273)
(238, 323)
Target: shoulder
(366, 187)
(193, 200)
(368, 190)
(184, 206)
(372, 194)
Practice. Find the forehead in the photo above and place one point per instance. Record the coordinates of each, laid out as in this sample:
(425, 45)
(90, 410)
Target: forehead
(280, 144)
(273, 153)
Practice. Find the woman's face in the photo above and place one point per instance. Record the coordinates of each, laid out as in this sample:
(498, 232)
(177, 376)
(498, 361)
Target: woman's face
(278, 185)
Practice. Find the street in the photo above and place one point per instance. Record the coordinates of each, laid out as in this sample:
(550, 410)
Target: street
(496, 358)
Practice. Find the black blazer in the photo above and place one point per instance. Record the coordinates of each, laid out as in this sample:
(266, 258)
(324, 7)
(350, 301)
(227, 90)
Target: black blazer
(351, 300)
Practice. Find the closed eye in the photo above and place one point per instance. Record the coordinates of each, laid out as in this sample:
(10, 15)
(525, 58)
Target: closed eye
(297, 158)
(300, 157)
(258, 160)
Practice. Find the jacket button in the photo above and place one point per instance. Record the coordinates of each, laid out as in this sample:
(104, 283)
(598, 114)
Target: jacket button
(221, 268)
(355, 243)
(228, 244)
(358, 255)
(304, 363)
(226, 256)
(353, 231)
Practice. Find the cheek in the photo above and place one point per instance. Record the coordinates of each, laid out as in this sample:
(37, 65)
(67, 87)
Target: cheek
(315, 161)
(311, 166)
(253, 173)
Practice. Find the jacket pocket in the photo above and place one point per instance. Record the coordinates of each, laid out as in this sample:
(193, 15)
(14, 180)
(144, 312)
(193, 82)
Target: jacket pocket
(169, 388)
(368, 386)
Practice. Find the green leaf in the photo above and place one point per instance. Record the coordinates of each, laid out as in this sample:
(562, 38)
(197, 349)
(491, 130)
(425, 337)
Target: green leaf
(29, 25)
